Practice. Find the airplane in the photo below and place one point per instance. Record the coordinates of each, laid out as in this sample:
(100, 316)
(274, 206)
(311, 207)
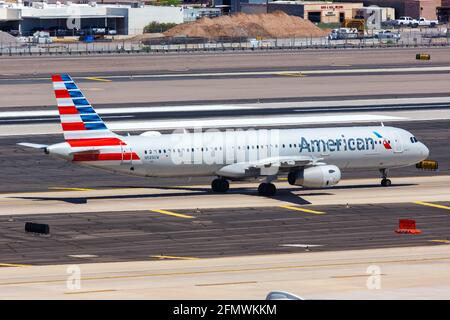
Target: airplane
(309, 157)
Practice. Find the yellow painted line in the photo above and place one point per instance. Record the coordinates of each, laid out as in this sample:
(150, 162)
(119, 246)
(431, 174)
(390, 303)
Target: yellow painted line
(291, 74)
(432, 205)
(302, 209)
(441, 241)
(223, 283)
(14, 265)
(190, 273)
(282, 179)
(98, 79)
(93, 291)
(70, 189)
(169, 213)
(174, 257)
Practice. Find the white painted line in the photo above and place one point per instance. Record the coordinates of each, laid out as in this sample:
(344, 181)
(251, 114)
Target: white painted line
(101, 111)
(373, 108)
(321, 105)
(301, 245)
(83, 256)
(254, 73)
(305, 72)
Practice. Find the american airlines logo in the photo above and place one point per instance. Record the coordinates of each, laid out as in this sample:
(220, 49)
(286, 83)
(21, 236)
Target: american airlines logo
(342, 144)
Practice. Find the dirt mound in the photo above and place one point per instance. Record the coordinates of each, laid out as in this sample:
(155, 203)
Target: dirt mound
(272, 25)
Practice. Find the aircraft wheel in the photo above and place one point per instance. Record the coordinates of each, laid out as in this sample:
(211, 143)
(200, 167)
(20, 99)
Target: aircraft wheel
(220, 185)
(267, 189)
(386, 182)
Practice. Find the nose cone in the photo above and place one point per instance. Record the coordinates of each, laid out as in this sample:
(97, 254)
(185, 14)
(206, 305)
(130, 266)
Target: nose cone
(420, 152)
(424, 151)
(60, 150)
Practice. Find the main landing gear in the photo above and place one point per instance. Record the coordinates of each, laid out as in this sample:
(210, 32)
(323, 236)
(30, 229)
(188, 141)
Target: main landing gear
(385, 182)
(220, 185)
(267, 189)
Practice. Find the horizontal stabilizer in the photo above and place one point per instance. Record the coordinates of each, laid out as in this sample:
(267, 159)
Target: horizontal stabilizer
(33, 145)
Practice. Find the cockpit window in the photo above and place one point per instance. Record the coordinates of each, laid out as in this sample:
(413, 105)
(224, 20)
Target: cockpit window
(413, 139)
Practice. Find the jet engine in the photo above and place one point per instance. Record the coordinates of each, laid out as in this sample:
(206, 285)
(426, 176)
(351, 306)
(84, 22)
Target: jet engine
(315, 177)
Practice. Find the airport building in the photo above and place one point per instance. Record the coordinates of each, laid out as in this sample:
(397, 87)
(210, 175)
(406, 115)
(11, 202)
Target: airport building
(315, 11)
(443, 12)
(124, 19)
(412, 8)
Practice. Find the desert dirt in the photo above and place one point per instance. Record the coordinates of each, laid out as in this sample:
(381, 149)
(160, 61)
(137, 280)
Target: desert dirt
(272, 25)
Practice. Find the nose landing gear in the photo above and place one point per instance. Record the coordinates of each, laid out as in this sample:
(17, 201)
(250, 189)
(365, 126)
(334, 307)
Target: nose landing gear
(385, 182)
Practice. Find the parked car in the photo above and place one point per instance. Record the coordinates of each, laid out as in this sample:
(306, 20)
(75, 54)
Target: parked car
(343, 33)
(387, 34)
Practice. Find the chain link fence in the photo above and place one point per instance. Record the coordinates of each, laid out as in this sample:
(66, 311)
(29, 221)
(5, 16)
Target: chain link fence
(437, 37)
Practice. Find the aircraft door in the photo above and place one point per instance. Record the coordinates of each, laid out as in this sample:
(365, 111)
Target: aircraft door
(397, 143)
(126, 155)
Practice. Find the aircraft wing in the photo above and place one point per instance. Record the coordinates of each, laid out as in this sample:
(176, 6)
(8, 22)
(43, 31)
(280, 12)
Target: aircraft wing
(268, 166)
(33, 145)
(285, 162)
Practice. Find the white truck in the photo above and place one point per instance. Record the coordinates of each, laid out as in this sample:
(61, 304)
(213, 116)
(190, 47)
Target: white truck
(423, 22)
(410, 22)
(405, 21)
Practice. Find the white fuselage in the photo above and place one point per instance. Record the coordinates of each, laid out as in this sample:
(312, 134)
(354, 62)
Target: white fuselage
(208, 153)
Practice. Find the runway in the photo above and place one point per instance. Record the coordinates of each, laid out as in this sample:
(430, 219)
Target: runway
(227, 230)
(230, 90)
(219, 62)
(142, 112)
(387, 273)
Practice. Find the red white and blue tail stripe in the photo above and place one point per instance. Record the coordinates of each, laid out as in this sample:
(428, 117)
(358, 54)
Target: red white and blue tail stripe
(83, 128)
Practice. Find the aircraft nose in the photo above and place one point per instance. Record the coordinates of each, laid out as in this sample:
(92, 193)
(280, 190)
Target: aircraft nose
(424, 151)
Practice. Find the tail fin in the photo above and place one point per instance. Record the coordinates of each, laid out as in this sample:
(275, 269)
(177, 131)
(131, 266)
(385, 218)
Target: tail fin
(81, 124)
